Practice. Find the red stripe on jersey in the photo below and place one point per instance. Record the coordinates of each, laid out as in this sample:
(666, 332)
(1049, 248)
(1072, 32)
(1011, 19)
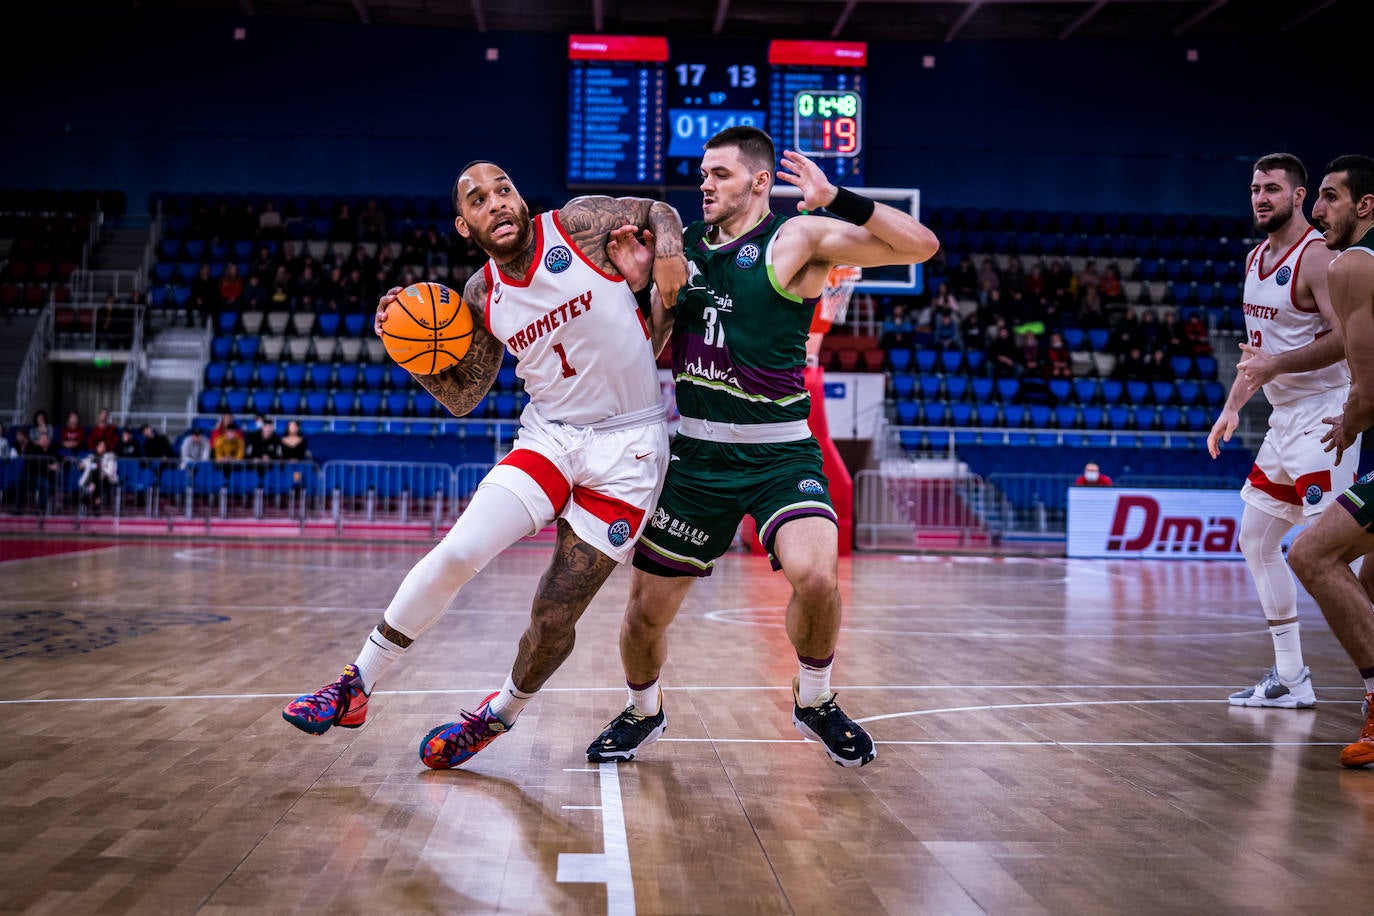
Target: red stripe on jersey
(543, 472)
(642, 323)
(1319, 479)
(1250, 258)
(1296, 246)
(1293, 285)
(1284, 493)
(528, 278)
(558, 223)
(606, 508)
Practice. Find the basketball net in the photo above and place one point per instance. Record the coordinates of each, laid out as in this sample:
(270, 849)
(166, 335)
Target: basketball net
(839, 288)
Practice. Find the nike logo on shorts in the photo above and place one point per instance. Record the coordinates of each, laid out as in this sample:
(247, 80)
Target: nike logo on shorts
(643, 456)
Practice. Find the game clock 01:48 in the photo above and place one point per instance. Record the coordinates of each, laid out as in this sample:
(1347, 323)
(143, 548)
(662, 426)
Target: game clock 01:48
(827, 123)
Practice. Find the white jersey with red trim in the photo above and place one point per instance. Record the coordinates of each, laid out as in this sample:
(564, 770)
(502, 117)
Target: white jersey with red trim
(582, 346)
(1276, 323)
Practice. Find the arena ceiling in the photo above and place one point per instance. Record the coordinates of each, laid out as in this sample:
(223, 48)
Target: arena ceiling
(869, 20)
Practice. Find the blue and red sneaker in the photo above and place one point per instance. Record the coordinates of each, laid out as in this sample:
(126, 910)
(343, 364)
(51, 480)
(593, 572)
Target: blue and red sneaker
(342, 703)
(453, 744)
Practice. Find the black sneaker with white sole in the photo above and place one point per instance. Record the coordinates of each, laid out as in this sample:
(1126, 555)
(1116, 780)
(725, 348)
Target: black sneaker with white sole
(627, 733)
(845, 740)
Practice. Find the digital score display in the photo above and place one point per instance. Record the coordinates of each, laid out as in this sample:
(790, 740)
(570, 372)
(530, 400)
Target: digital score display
(616, 109)
(816, 99)
(712, 85)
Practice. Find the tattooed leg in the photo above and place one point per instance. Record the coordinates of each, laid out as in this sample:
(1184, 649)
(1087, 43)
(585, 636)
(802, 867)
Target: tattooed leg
(576, 574)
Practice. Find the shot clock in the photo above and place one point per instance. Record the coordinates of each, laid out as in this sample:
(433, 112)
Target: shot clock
(826, 124)
(816, 98)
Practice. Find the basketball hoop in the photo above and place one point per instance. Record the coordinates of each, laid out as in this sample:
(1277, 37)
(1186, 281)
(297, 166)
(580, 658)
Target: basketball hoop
(835, 296)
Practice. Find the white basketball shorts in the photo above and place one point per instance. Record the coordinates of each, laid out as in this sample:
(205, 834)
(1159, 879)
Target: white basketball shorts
(1294, 478)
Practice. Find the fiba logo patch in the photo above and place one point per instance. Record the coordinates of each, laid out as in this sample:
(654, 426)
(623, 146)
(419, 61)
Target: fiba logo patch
(1285, 274)
(619, 532)
(1314, 495)
(811, 487)
(558, 259)
(747, 256)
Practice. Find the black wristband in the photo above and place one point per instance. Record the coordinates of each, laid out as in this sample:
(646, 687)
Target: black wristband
(643, 300)
(851, 207)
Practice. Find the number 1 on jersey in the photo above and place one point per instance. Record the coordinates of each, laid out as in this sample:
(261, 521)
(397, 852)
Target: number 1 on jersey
(568, 370)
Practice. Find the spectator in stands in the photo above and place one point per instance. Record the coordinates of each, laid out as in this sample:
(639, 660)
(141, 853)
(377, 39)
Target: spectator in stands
(352, 293)
(385, 270)
(964, 280)
(1171, 334)
(41, 469)
(1004, 357)
(1125, 334)
(1196, 341)
(1058, 360)
(345, 228)
(1060, 283)
(225, 421)
(6, 447)
(1158, 367)
(437, 246)
(1092, 476)
(263, 443)
(293, 444)
(269, 221)
(265, 265)
(1014, 275)
(229, 446)
(973, 328)
(99, 475)
(1132, 367)
(1149, 333)
(1091, 313)
(897, 329)
(989, 277)
(371, 221)
(1034, 286)
(204, 293)
(255, 295)
(307, 284)
(944, 299)
(114, 325)
(1032, 360)
(1089, 277)
(231, 287)
(129, 446)
(102, 431)
(331, 288)
(72, 439)
(155, 444)
(1109, 286)
(946, 332)
(279, 300)
(40, 425)
(195, 448)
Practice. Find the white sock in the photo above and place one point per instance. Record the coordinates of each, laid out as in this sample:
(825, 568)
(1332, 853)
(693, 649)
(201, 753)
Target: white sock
(813, 682)
(647, 701)
(509, 703)
(376, 658)
(1287, 650)
(1369, 685)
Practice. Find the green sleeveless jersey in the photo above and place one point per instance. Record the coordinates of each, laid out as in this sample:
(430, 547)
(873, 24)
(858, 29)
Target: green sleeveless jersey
(739, 339)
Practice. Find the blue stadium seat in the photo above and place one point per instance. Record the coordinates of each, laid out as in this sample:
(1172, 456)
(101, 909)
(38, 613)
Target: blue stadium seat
(1187, 391)
(1137, 392)
(327, 324)
(1098, 337)
(268, 373)
(1060, 389)
(321, 375)
(1213, 392)
(1162, 392)
(1093, 416)
(1040, 416)
(398, 403)
(1112, 391)
(1074, 338)
(317, 402)
(903, 385)
(1014, 414)
(370, 403)
(1206, 367)
(236, 400)
(1144, 416)
(293, 375)
(506, 406)
(210, 400)
(346, 375)
(908, 413)
(1170, 418)
(1118, 416)
(1197, 420)
(1086, 389)
(1182, 366)
(974, 359)
(987, 414)
(374, 376)
(982, 388)
(247, 346)
(951, 360)
(926, 360)
(344, 403)
(227, 323)
(222, 348)
(215, 373)
(354, 323)
(1008, 388)
(956, 387)
(506, 379)
(288, 401)
(935, 413)
(263, 400)
(425, 404)
(242, 374)
(929, 386)
(1066, 416)
(400, 378)
(899, 359)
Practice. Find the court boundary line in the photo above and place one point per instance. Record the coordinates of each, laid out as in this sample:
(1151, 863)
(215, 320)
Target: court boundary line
(611, 867)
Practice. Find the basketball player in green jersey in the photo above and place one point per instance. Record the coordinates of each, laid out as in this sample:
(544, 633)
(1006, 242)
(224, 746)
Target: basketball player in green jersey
(1321, 555)
(744, 447)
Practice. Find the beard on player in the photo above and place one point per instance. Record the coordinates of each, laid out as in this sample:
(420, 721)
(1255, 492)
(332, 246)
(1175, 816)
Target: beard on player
(1271, 221)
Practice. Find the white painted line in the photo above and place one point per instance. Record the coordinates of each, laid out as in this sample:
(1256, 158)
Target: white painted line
(581, 807)
(611, 867)
(1029, 743)
(933, 712)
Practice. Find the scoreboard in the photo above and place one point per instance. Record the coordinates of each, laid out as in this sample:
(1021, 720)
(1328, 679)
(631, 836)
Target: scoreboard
(641, 108)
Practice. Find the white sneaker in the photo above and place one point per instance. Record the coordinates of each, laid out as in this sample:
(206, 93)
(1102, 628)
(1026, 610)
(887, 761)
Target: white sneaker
(1273, 690)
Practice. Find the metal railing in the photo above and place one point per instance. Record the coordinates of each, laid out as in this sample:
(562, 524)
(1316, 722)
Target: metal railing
(34, 360)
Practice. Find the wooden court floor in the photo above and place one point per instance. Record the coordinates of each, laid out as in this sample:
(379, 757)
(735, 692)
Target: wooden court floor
(1052, 738)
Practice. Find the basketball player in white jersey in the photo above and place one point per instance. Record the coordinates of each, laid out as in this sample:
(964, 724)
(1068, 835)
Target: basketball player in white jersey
(1294, 353)
(590, 453)
(1322, 554)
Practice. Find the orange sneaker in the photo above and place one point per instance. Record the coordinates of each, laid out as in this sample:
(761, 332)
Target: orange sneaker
(1361, 753)
(341, 703)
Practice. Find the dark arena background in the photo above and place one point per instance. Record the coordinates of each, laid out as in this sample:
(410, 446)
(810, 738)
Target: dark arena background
(200, 203)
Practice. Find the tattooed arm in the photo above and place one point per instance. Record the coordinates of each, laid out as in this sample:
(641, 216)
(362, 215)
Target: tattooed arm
(590, 220)
(461, 386)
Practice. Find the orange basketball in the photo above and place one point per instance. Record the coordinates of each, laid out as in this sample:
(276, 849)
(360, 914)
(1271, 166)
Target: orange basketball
(428, 329)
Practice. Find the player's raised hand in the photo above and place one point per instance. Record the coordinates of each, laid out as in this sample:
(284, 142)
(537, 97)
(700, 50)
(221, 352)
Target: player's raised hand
(800, 172)
(1336, 436)
(631, 256)
(1222, 430)
(383, 304)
